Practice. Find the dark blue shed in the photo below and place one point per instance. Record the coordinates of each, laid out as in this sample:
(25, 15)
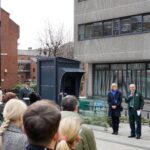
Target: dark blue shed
(58, 75)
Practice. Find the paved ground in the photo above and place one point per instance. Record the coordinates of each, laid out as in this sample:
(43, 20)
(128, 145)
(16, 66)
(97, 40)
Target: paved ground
(106, 141)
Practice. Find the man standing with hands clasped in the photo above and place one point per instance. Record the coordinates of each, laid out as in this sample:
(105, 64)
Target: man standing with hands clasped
(135, 105)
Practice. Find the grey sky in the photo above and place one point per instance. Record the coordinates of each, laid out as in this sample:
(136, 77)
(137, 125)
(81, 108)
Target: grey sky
(33, 15)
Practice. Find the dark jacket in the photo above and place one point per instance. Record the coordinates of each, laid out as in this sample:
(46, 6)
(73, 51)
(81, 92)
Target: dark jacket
(24, 92)
(36, 147)
(114, 100)
(2, 105)
(137, 98)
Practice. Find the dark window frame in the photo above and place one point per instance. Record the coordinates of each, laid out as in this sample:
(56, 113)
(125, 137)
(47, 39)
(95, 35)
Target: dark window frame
(81, 0)
(115, 35)
(111, 20)
(125, 18)
(143, 23)
(127, 70)
(140, 23)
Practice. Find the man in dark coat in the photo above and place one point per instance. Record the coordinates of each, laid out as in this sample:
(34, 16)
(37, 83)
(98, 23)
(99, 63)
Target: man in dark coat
(114, 102)
(25, 91)
(135, 105)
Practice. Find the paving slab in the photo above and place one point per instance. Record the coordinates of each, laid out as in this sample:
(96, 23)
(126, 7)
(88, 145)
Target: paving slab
(106, 141)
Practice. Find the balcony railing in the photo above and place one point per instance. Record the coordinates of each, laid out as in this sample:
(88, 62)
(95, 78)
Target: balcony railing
(24, 61)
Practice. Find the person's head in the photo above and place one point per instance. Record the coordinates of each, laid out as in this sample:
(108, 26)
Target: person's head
(8, 96)
(114, 86)
(12, 113)
(41, 121)
(34, 97)
(68, 133)
(132, 87)
(27, 84)
(69, 103)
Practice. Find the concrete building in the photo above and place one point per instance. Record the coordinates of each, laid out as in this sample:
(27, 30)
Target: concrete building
(112, 37)
(9, 34)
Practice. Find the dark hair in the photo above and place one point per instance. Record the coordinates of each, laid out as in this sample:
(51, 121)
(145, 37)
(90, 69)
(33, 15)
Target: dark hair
(34, 97)
(27, 82)
(41, 121)
(69, 103)
(8, 96)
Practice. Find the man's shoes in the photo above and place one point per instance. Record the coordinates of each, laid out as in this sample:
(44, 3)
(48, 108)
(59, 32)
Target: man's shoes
(138, 137)
(116, 133)
(131, 136)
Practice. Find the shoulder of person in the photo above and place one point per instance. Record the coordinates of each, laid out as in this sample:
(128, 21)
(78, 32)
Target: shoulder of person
(65, 114)
(138, 93)
(86, 129)
(22, 88)
(119, 91)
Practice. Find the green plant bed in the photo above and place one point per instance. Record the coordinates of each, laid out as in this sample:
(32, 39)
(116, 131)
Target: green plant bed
(105, 121)
(100, 121)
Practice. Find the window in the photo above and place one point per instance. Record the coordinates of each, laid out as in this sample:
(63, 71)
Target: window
(136, 23)
(121, 74)
(81, 0)
(88, 31)
(33, 69)
(146, 22)
(116, 27)
(107, 28)
(81, 32)
(125, 25)
(97, 29)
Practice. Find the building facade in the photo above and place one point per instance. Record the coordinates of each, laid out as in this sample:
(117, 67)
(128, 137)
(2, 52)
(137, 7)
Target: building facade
(27, 60)
(112, 37)
(9, 34)
(27, 66)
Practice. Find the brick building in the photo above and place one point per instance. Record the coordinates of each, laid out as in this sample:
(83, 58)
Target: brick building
(27, 68)
(9, 34)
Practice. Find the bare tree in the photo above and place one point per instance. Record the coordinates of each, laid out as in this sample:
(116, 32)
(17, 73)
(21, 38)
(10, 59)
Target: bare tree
(52, 40)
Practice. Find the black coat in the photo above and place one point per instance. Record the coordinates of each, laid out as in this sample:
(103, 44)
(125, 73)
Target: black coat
(1, 112)
(115, 100)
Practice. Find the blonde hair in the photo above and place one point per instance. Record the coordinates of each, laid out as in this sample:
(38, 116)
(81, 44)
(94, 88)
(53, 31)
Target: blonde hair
(114, 85)
(68, 133)
(13, 111)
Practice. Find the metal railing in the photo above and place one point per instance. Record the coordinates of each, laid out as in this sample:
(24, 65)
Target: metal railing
(104, 109)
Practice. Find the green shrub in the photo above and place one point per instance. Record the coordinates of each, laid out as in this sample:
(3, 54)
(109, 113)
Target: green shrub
(100, 121)
(16, 88)
(34, 87)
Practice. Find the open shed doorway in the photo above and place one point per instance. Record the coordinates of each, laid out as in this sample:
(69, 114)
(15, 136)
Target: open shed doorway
(70, 84)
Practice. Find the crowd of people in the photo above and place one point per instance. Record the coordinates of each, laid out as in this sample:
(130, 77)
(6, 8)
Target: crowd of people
(31, 123)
